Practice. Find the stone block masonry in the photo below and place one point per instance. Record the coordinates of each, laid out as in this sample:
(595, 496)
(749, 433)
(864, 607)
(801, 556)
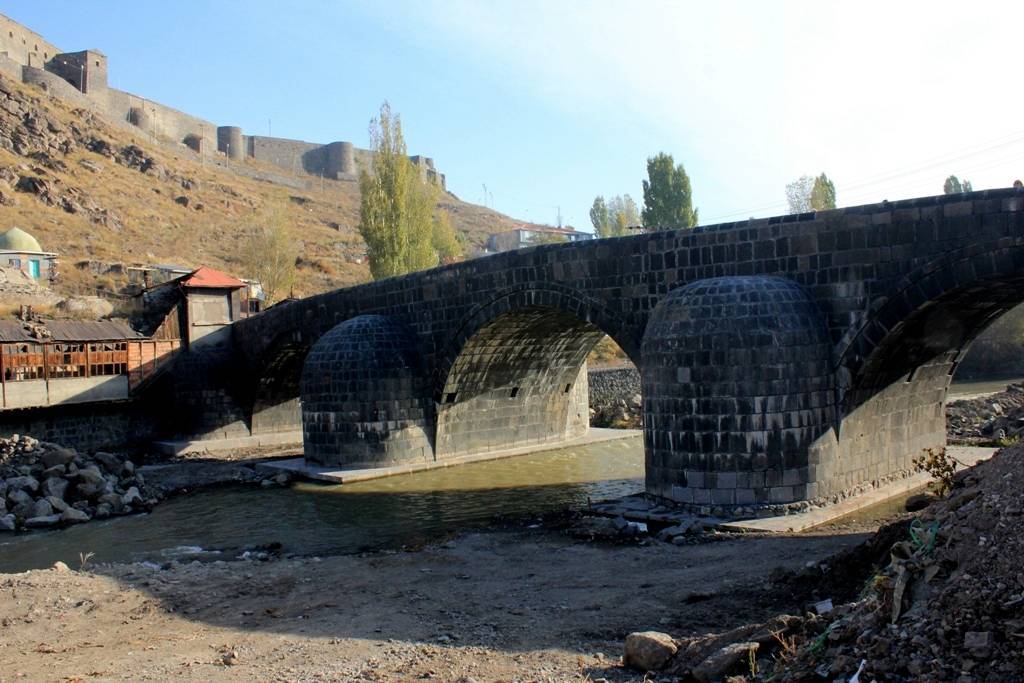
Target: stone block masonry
(785, 359)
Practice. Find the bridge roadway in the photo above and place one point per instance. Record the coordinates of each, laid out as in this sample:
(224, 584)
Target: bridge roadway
(782, 359)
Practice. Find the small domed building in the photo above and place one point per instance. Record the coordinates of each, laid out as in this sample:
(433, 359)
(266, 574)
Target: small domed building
(20, 250)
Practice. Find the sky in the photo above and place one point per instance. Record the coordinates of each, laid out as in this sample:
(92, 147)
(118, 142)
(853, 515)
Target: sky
(549, 104)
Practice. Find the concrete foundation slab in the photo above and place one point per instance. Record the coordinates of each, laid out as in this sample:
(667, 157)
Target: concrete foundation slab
(967, 455)
(335, 476)
(211, 445)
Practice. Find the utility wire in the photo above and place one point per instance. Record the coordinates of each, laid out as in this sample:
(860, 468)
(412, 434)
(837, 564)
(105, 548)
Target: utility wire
(945, 159)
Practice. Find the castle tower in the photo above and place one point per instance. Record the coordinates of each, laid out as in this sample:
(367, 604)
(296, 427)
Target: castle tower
(230, 141)
(341, 160)
(86, 70)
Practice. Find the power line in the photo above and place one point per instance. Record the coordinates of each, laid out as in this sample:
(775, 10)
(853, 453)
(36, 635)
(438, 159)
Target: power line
(877, 179)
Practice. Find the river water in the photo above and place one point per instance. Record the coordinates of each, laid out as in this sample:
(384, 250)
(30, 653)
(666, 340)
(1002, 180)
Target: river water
(315, 519)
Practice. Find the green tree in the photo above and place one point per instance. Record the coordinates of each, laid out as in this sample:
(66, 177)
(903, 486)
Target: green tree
(668, 198)
(624, 214)
(445, 240)
(954, 185)
(396, 204)
(544, 237)
(269, 255)
(614, 217)
(798, 194)
(823, 194)
(600, 218)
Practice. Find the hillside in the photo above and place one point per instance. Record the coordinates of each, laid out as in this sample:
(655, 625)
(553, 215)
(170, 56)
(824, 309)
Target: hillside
(97, 193)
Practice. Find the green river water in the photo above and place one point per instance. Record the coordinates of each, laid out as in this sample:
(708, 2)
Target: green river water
(314, 519)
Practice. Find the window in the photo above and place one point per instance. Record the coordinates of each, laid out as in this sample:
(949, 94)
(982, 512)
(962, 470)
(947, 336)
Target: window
(67, 360)
(22, 362)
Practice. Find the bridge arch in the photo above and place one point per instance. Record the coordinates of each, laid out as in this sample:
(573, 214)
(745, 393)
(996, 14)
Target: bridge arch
(275, 386)
(512, 375)
(894, 370)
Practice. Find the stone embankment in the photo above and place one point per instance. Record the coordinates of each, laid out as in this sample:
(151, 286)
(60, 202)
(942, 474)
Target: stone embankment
(45, 485)
(936, 597)
(997, 419)
(615, 399)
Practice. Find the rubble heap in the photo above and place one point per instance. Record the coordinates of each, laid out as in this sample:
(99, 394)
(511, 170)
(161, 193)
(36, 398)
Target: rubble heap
(45, 485)
(989, 418)
(946, 602)
(950, 603)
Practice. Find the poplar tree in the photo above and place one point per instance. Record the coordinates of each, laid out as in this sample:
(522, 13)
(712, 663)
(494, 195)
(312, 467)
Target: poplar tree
(954, 185)
(600, 218)
(614, 217)
(269, 255)
(396, 204)
(823, 194)
(668, 199)
(445, 240)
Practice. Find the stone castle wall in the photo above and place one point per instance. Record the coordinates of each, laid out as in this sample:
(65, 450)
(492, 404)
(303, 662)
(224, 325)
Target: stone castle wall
(81, 79)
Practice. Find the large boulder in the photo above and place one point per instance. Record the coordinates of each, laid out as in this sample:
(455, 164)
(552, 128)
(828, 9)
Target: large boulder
(111, 463)
(716, 666)
(24, 482)
(41, 508)
(91, 482)
(648, 650)
(73, 516)
(132, 497)
(57, 455)
(7, 523)
(55, 487)
(42, 522)
(19, 497)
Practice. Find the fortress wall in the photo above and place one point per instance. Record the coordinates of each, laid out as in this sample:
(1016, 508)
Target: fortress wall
(20, 47)
(10, 68)
(293, 155)
(57, 86)
(160, 119)
(25, 47)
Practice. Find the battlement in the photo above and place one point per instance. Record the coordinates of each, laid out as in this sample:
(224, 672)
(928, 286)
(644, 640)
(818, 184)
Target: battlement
(81, 78)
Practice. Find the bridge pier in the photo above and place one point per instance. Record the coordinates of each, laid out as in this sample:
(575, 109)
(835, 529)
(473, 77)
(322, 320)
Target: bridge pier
(365, 400)
(737, 387)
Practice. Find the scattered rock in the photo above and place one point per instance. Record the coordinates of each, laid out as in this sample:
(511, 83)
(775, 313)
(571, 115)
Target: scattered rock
(131, 497)
(648, 650)
(74, 516)
(724, 661)
(42, 522)
(55, 486)
(42, 508)
(59, 566)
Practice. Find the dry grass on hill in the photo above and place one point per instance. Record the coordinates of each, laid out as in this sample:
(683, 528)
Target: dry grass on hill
(155, 218)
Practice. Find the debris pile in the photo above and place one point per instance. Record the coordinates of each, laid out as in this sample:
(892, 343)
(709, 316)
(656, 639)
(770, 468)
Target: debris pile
(945, 603)
(45, 485)
(950, 603)
(998, 418)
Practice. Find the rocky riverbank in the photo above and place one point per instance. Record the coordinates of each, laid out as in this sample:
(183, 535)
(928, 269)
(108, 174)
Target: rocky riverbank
(45, 485)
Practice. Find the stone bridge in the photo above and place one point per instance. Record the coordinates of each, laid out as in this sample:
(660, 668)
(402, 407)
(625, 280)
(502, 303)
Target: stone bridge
(782, 359)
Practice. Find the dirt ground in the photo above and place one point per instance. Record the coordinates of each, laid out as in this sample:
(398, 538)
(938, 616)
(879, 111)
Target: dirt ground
(521, 605)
